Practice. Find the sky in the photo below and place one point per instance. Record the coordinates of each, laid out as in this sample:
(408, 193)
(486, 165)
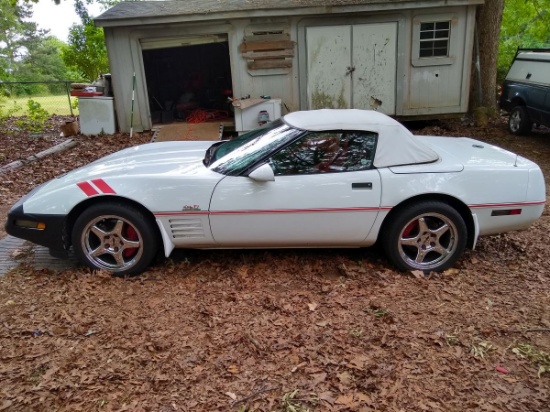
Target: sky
(59, 18)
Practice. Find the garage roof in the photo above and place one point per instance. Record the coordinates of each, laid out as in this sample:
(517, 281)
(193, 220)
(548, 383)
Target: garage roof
(149, 12)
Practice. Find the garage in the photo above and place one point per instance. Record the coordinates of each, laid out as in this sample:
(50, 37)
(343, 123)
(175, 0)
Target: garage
(187, 76)
(410, 59)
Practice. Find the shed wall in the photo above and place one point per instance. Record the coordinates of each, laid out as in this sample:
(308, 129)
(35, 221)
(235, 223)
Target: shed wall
(419, 89)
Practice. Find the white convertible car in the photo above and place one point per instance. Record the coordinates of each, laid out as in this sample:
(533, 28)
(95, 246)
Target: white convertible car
(324, 178)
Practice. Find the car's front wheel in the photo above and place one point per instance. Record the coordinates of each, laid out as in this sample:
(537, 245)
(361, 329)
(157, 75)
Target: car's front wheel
(519, 122)
(427, 236)
(115, 237)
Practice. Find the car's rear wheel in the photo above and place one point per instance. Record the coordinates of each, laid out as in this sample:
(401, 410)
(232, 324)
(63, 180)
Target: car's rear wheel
(427, 236)
(519, 122)
(115, 237)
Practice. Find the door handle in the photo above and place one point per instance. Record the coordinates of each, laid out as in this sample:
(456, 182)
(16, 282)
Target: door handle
(362, 185)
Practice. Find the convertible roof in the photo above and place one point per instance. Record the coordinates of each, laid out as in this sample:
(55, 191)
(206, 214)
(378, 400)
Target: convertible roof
(396, 145)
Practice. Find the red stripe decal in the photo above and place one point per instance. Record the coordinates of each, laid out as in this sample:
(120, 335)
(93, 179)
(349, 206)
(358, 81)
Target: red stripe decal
(87, 188)
(103, 186)
(275, 211)
(335, 210)
(542, 202)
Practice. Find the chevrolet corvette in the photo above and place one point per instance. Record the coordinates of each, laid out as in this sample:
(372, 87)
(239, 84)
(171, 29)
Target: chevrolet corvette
(320, 178)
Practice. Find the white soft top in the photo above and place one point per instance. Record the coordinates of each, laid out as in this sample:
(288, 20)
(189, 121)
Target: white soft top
(396, 145)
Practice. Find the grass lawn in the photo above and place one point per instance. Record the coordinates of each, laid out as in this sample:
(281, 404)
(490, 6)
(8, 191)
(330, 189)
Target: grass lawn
(53, 104)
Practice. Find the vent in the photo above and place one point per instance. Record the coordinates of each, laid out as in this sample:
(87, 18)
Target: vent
(187, 228)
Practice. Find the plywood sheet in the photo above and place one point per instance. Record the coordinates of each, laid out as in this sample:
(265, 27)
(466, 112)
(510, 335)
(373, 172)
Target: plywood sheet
(189, 131)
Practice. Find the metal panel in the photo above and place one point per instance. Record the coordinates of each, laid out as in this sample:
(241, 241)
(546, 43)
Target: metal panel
(374, 61)
(329, 61)
(442, 77)
(97, 115)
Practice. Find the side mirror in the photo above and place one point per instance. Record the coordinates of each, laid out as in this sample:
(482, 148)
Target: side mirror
(264, 173)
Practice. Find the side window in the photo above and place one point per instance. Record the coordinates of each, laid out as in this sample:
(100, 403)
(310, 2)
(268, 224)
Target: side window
(326, 152)
(434, 39)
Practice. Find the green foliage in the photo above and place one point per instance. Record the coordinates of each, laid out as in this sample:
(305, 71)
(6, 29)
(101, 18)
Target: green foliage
(14, 31)
(43, 63)
(28, 54)
(292, 403)
(524, 24)
(86, 52)
(8, 110)
(36, 116)
(537, 356)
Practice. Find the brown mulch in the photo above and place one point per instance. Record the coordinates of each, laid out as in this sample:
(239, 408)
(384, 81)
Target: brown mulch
(328, 330)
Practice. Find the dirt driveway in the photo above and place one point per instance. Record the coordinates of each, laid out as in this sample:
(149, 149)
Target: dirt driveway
(329, 330)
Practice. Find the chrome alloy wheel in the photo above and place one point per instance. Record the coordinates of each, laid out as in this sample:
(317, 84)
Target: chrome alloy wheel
(428, 241)
(515, 121)
(112, 243)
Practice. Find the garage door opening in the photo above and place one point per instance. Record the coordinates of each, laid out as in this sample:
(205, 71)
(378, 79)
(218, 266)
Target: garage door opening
(188, 78)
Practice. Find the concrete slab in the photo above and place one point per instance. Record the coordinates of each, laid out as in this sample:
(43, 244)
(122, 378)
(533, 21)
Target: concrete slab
(14, 251)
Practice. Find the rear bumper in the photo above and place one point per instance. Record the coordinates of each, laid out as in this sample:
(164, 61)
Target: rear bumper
(53, 236)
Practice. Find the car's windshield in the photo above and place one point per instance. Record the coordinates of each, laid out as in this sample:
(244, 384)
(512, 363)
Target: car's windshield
(235, 155)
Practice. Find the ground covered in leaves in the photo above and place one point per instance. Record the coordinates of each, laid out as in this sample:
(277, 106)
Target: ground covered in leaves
(286, 331)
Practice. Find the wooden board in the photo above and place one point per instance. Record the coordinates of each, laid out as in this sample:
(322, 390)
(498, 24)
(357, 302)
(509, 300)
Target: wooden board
(269, 64)
(190, 131)
(266, 45)
(266, 55)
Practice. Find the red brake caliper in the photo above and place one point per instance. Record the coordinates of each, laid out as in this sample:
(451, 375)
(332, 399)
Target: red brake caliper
(408, 230)
(130, 234)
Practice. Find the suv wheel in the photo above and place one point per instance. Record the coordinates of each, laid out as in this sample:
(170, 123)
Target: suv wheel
(519, 122)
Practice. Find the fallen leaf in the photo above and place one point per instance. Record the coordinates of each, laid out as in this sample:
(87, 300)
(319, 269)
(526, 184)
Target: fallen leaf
(231, 395)
(346, 400)
(312, 306)
(345, 378)
(418, 274)
(327, 397)
(16, 253)
(358, 362)
(451, 272)
(294, 369)
(318, 378)
(363, 397)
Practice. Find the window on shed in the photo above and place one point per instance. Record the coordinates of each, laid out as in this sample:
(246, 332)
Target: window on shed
(434, 39)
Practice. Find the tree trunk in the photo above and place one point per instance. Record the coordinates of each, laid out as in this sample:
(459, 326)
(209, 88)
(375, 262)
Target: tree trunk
(489, 17)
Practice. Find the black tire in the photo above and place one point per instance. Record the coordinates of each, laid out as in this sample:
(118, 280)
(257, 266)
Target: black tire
(130, 239)
(519, 122)
(427, 236)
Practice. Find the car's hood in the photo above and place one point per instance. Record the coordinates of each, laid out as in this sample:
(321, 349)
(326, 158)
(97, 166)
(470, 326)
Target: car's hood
(163, 158)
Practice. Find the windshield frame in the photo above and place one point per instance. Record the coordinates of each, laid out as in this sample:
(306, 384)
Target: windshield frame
(245, 152)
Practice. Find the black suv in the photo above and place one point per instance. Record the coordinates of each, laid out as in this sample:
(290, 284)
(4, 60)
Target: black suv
(526, 90)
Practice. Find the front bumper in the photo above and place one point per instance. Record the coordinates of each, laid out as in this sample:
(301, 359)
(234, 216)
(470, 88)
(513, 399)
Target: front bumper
(53, 236)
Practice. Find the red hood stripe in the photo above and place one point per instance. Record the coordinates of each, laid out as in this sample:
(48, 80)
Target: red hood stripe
(103, 186)
(87, 189)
